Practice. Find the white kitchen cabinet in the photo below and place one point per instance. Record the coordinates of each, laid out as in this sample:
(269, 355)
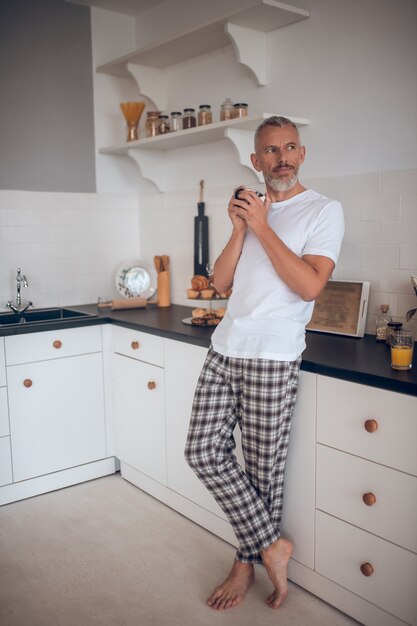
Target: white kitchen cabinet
(343, 550)
(2, 364)
(183, 363)
(366, 534)
(4, 413)
(56, 414)
(6, 476)
(139, 416)
(298, 520)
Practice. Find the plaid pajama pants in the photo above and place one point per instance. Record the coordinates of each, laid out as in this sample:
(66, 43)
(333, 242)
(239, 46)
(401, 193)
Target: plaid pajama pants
(259, 395)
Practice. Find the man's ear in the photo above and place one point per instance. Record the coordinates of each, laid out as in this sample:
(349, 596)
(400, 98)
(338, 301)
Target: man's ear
(303, 153)
(255, 162)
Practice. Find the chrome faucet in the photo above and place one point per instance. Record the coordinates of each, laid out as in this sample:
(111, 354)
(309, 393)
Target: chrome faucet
(21, 281)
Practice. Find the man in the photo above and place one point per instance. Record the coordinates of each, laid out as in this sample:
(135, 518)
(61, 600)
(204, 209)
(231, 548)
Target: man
(281, 253)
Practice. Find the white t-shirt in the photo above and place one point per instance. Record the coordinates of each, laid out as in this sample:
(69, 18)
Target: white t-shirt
(265, 318)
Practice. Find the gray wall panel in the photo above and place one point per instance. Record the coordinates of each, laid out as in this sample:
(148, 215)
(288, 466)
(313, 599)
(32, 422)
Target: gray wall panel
(46, 97)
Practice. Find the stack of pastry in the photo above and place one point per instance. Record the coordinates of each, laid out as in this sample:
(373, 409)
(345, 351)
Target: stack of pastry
(207, 317)
(201, 288)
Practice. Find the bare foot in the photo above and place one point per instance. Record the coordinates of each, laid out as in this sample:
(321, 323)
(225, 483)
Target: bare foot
(275, 558)
(232, 591)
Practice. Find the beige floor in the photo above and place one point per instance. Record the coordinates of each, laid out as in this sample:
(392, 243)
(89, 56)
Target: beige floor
(106, 553)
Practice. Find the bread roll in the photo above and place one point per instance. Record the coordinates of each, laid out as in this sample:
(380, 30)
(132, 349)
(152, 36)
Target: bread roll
(199, 282)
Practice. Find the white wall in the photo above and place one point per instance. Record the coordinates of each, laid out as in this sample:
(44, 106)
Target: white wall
(351, 68)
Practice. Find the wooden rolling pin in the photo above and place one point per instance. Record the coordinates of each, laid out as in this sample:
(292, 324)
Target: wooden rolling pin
(129, 303)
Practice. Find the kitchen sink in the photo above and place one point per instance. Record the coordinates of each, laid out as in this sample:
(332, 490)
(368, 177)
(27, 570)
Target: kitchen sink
(35, 316)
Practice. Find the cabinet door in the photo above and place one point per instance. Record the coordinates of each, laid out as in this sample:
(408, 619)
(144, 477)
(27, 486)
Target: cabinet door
(183, 363)
(139, 416)
(299, 485)
(56, 414)
(5, 461)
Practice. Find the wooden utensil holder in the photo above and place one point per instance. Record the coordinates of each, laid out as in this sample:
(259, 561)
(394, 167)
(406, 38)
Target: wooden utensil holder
(164, 289)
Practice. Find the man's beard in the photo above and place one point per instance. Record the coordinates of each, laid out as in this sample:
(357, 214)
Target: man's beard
(281, 184)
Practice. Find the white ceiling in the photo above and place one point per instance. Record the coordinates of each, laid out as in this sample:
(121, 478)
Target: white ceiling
(129, 7)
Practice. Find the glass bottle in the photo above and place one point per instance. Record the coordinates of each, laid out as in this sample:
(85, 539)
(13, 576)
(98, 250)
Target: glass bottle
(392, 328)
(175, 121)
(227, 110)
(163, 125)
(151, 124)
(205, 115)
(381, 323)
(241, 109)
(189, 119)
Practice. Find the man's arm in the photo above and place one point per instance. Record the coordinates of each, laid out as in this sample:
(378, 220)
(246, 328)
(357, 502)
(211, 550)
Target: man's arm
(306, 276)
(225, 266)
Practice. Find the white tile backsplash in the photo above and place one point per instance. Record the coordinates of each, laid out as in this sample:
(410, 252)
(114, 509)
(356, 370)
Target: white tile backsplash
(70, 245)
(361, 185)
(408, 207)
(399, 182)
(378, 208)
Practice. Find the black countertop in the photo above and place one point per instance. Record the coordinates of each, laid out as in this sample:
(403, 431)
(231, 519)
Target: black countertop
(360, 360)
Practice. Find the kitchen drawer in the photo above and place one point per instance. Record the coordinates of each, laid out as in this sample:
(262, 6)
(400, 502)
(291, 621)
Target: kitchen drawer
(341, 549)
(138, 345)
(343, 408)
(4, 413)
(5, 461)
(2, 364)
(343, 479)
(53, 344)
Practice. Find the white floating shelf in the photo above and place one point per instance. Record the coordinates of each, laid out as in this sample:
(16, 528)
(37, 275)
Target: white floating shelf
(151, 153)
(193, 136)
(243, 28)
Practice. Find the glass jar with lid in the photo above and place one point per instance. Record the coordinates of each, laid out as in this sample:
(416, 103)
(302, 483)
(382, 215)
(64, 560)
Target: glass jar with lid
(241, 109)
(205, 115)
(163, 125)
(175, 121)
(227, 110)
(189, 119)
(392, 329)
(151, 124)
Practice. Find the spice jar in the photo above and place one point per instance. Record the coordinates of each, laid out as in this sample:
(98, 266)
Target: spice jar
(188, 119)
(204, 115)
(163, 125)
(392, 329)
(227, 110)
(151, 124)
(241, 109)
(175, 121)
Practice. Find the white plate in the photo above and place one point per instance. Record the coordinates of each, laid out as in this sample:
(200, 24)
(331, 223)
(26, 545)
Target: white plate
(135, 279)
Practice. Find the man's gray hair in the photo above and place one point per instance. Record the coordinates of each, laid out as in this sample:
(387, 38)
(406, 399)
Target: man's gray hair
(274, 120)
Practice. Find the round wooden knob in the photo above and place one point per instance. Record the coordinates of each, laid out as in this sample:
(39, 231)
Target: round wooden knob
(135, 345)
(57, 344)
(151, 384)
(371, 426)
(27, 382)
(369, 498)
(367, 569)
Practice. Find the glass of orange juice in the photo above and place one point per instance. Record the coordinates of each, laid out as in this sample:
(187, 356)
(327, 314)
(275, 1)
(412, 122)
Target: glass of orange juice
(402, 344)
